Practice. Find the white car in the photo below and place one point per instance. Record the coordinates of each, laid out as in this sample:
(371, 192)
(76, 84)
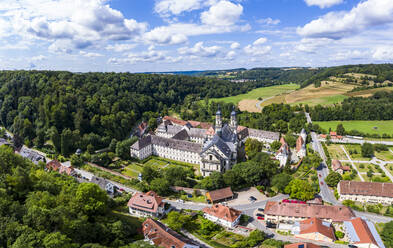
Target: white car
(180, 200)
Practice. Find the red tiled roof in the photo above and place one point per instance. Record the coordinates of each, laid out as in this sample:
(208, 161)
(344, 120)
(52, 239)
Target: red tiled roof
(163, 236)
(54, 165)
(315, 225)
(336, 164)
(299, 143)
(363, 232)
(174, 120)
(223, 212)
(220, 194)
(305, 245)
(335, 213)
(147, 202)
(366, 188)
(333, 134)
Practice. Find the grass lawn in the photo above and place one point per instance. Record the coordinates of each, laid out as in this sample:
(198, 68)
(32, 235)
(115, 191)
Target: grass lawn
(355, 152)
(366, 167)
(263, 92)
(390, 168)
(327, 100)
(132, 170)
(362, 126)
(336, 152)
(384, 155)
(227, 238)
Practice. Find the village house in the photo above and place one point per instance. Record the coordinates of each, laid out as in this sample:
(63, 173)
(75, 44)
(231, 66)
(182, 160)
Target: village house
(32, 155)
(301, 150)
(161, 236)
(316, 229)
(146, 205)
(222, 215)
(283, 153)
(55, 165)
(219, 195)
(371, 192)
(214, 148)
(277, 212)
(362, 233)
(105, 184)
(338, 167)
(302, 245)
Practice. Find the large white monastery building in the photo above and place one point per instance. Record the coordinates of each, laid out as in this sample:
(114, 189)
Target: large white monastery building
(214, 148)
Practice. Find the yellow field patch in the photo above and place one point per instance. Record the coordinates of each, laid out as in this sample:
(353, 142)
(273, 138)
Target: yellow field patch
(249, 105)
(311, 93)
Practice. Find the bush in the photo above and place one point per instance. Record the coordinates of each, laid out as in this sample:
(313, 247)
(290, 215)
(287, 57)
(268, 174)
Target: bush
(361, 166)
(339, 234)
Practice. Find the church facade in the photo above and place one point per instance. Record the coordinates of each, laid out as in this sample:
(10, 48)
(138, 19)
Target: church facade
(214, 148)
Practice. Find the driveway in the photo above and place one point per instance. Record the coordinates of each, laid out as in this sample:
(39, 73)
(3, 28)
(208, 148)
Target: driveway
(243, 195)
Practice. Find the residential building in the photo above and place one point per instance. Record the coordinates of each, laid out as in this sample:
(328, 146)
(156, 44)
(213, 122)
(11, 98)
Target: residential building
(283, 153)
(219, 195)
(161, 236)
(222, 215)
(214, 148)
(277, 212)
(104, 184)
(338, 167)
(316, 229)
(146, 205)
(55, 165)
(370, 192)
(32, 155)
(302, 245)
(301, 149)
(362, 233)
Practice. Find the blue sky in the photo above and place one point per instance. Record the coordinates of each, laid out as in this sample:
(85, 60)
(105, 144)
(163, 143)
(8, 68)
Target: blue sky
(173, 35)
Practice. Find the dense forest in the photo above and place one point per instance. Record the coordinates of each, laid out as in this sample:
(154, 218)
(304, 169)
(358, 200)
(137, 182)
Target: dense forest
(89, 110)
(377, 107)
(50, 210)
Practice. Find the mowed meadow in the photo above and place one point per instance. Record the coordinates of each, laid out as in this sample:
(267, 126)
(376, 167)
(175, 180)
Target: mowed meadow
(371, 127)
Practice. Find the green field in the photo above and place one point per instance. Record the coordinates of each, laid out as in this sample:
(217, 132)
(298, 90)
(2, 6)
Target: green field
(263, 92)
(362, 126)
(327, 100)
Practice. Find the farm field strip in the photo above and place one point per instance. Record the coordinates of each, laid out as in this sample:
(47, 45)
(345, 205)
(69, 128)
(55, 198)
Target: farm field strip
(362, 126)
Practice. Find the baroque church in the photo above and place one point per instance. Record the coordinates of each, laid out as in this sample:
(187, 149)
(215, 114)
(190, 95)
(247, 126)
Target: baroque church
(214, 148)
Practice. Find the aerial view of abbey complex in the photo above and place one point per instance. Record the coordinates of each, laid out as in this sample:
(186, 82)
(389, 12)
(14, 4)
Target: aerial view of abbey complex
(196, 124)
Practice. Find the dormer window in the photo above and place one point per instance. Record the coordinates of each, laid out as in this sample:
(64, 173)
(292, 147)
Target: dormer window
(210, 157)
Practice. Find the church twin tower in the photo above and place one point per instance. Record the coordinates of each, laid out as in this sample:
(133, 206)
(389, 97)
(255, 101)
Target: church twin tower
(232, 124)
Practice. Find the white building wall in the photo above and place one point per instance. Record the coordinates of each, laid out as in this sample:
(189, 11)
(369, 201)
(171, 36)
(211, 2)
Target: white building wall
(368, 199)
(222, 221)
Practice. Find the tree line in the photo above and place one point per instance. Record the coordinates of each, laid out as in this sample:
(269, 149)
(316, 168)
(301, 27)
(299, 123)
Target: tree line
(88, 110)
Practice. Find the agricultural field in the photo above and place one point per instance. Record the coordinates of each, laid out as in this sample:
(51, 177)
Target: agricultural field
(330, 92)
(369, 92)
(371, 127)
(336, 152)
(248, 101)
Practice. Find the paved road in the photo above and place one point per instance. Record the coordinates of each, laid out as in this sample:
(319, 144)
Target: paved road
(353, 165)
(258, 105)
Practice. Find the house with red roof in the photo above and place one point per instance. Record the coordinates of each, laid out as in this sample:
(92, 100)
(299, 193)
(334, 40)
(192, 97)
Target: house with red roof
(316, 229)
(338, 167)
(302, 245)
(362, 234)
(161, 236)
(146, 205)
(222, 215)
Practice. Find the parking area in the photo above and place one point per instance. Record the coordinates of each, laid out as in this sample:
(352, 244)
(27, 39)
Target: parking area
(244, 195)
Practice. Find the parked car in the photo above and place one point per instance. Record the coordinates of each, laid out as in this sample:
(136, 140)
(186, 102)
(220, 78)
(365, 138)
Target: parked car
(180, 200)
(252, 198)
(271, 225)
(261, 209)
(321, 183)
(319, 175)
(261, 215)
(260, 218)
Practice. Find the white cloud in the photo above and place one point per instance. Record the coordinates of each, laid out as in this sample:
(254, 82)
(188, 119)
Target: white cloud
(235, 45)
(120, 47)
(256, 49)
(149, 56)
(223, 13)
(383, 53)
(200, 50)
(90, 54)
(38, 58)
(336, 25)
(309, 45)
(323, 3)
(350, 55)
(177, 33)
(230, 55)
(269, 21)
(80, 22)
(176, 7)
(259, 41)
